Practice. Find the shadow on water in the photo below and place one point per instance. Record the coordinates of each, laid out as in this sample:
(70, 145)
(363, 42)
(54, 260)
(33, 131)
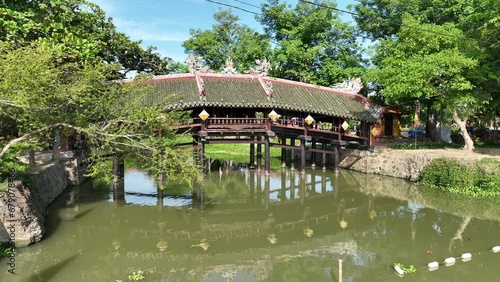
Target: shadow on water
(49, 273)
(67, 206)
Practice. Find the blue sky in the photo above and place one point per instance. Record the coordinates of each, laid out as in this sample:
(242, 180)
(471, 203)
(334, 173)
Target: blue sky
(166, 23)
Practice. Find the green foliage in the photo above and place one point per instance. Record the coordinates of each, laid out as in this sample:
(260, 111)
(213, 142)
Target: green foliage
(7, 251)
(314, 45)
(446, 53)
(136, 276)
(77, 31)
(425, 145)
(406, 268)
(477, 179)
(228, 39)
(239, 153)
(38, 96)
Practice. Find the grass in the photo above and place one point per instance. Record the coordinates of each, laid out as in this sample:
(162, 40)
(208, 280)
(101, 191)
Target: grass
(444, 145)
(240, 153)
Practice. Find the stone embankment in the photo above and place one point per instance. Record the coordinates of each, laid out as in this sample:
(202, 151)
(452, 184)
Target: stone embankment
(23, 209)
(406, 164)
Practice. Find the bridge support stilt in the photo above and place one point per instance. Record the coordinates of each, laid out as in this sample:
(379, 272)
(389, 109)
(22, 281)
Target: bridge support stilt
(252, 152)
(313, 153)
(303, 157)
(283, 152)
(118, 168)
(202, 156)
(323, 161)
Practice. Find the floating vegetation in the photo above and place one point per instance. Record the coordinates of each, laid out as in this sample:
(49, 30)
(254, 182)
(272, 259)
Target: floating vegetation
(7, 252)
(272, 238)
(308, 232)
(404, 268)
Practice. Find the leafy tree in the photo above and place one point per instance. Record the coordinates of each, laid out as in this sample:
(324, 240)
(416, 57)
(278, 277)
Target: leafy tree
(381, 19)
(228, 39)
(433, 67)
(313, 45)
(478, 21)
(39, 94)
(78, 31)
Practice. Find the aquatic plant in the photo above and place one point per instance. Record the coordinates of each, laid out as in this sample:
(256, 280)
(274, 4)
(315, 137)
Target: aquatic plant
(406, 268)
(136, 276)
(7, 251)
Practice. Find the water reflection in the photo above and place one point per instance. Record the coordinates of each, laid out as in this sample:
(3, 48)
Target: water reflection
(240, 225)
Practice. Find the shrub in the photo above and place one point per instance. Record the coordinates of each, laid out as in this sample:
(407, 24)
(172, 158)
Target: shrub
(478, 179)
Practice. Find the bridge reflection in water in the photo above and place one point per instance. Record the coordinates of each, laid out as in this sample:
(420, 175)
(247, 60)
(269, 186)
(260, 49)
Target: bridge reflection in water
(239, 225)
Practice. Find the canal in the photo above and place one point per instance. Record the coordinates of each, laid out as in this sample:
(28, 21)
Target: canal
(239, 225)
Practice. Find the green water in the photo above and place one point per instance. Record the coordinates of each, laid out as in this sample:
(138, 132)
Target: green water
(240, 225)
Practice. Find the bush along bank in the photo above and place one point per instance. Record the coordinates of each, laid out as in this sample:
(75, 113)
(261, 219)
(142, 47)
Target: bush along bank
(480, 178)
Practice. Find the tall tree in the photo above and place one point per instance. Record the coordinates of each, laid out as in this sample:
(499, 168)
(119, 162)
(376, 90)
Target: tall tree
(478, 21)
(433, 67)
(228, 39)
(38, 94)
(313, 44)
(79, 31)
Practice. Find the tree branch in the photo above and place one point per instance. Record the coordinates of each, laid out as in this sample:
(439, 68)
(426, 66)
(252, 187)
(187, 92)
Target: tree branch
(28, 135)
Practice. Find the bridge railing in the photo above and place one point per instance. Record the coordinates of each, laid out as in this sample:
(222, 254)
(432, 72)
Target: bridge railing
(235, 121)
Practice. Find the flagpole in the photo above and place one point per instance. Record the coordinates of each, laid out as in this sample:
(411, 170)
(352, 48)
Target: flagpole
(416, 122)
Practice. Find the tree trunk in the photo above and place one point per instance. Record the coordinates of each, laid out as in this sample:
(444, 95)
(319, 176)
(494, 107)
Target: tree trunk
(430, 125)
(469, 144)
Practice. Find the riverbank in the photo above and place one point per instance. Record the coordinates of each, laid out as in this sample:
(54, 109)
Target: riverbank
(406, 164)
(23, 209)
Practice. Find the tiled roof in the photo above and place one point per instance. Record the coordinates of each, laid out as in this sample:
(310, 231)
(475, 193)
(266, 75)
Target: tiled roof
(244, 91)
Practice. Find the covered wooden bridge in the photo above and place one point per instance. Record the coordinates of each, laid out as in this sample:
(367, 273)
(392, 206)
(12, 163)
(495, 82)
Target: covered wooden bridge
(260, 110)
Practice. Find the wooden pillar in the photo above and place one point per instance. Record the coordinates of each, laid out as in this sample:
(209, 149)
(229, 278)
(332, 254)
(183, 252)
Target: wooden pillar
(302, 156)
(268, 156)
(283, 152)
(292, 143)
(336, 156)
(159, 196)
(121, 168)
(202, 156)
(313, 154)
(252, 151)
(323, 161)
(117, 169)
(259, 153)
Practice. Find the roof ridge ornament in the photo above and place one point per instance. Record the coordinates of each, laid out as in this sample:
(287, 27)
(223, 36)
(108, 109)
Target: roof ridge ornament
(195, 65)
(229, 69)
(350, 85)
(261, 68)
(375, 110)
